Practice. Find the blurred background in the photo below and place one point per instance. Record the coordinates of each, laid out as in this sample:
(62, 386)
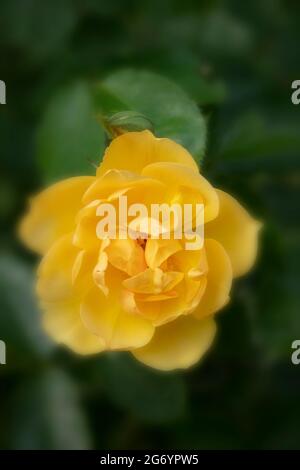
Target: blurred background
(236, 60)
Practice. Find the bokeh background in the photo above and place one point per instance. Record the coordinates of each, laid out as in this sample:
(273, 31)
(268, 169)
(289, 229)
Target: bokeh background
(236, 60)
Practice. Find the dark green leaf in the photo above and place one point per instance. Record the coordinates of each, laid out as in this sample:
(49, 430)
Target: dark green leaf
(69, 139)
(172, 112)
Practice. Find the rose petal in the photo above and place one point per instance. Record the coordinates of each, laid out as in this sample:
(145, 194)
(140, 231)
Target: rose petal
(104, 316)
(134, 150)
(178, 344)
(219, 280)
(63, 323)
(237, 231)
(52, 213)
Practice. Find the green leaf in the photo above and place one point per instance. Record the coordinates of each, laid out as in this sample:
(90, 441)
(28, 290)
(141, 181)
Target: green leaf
(20, 319)
(149, 395)
(48, 416)
(69, 139)
(172, 112)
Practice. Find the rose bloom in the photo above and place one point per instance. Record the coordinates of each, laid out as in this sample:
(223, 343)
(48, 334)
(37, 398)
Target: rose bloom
(152, 297)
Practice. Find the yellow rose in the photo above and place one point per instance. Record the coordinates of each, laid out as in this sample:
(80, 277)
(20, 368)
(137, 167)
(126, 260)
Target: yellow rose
(150, 296)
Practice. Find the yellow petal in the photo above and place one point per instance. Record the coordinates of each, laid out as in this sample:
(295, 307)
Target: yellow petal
(191, 262)
(104, 316)
(100, 270)
(163, 308)
(63, 324)
(194, 188)
(127, 256)
(81, 341)
(172, 294)
(194, 291)
(153, 281)
(120, 180)
(237, 231)
(85, 233)
(134, 150)
(52, 213)
(166, 150)
(110, 182)
(219, 280)
(159, 250)
(160, 308)
(55, 281)
(179, 344)
(81, 270)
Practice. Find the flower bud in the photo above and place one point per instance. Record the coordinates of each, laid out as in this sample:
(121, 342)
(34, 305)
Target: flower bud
(127, 121)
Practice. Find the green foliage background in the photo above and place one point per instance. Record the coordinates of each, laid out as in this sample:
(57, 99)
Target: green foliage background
(63, 62)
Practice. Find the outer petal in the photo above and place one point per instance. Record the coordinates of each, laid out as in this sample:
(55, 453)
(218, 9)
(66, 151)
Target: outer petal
(104, 316)
(121, 180)
(65, 273)
(237, 231)
(192, 186)
(55, 272)
(134, 150)
(63, 323)
(52, 213)
(85, 233)
(219, 280)
(179, 344)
